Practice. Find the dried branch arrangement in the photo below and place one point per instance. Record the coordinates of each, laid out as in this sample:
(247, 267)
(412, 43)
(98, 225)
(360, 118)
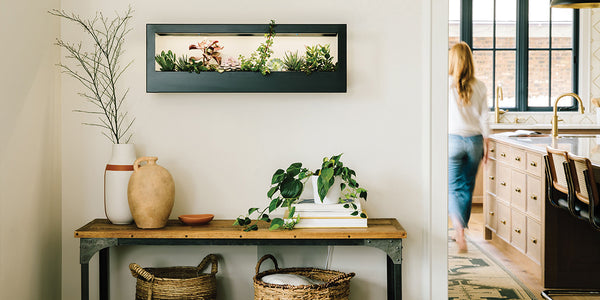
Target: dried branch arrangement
(100, 69)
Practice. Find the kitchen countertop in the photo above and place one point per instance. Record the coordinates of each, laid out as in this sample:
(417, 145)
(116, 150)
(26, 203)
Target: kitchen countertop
(579, 144)
(543, 126)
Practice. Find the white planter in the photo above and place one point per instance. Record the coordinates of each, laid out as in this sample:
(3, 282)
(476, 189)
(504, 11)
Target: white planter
(116, 178)
(333, 195)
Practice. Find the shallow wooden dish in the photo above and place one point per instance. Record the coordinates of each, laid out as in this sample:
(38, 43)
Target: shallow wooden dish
(196, 219)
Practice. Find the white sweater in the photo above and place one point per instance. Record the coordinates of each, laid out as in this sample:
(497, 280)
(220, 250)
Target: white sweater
(471, 119)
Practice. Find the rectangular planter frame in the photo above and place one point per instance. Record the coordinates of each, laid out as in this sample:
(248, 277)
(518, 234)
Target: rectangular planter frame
(245, 82)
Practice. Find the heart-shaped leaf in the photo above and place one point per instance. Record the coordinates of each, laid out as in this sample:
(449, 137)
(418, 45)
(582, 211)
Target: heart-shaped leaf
(272, 191)
(291, 188)
(278, 176)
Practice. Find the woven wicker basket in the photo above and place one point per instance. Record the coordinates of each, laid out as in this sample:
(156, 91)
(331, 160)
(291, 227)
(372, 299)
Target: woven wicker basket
(336, 286)
(176, 282)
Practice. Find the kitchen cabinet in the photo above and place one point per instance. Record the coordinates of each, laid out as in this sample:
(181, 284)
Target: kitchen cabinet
(513, 193)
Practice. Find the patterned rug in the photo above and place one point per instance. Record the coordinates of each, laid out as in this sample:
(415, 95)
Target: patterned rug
(476, 275)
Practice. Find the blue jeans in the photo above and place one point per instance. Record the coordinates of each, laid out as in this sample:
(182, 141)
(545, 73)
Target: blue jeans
(464, 155)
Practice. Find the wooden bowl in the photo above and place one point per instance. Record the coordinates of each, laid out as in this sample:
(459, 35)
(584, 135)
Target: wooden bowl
(196, 219)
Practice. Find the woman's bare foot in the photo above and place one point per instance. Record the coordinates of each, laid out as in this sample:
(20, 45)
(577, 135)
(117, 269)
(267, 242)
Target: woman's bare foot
(461, 241)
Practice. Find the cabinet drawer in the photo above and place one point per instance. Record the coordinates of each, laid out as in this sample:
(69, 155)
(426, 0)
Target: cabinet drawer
(490, 179)
(534, 164)
(503, 182)
(490, 212)
(534, 233)
(519, 229)
(518, 159)
(492, 149)
(518, 185)
(534, 196)
(503, 153)
(503, 225)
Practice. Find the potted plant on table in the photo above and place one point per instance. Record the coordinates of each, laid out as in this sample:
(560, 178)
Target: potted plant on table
(98, 67)
(287, 186)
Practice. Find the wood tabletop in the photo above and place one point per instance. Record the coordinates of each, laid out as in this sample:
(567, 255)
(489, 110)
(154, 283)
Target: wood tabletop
(224, 229)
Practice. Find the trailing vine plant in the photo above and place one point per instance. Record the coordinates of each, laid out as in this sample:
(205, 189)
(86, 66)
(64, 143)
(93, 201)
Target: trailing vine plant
(286, 188)
(257, 62)
(100, 70)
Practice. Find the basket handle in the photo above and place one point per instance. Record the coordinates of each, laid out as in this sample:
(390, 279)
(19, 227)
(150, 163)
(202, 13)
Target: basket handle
(339, 278)
(211, 258)
(138, 271)
(265, 257)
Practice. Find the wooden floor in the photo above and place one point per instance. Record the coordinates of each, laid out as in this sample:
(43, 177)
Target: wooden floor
(520, 265)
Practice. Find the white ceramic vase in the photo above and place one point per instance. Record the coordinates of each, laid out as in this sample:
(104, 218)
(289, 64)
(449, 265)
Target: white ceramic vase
(334, 193)
(116, 178)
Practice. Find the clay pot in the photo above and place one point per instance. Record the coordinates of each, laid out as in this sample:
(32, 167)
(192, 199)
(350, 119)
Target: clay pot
(151, 193)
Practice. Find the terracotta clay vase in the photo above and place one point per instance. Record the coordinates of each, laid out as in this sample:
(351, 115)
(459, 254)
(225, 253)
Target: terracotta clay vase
(151, 193)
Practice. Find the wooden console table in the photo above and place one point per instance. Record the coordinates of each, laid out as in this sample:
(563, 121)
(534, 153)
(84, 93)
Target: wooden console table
(99, 235)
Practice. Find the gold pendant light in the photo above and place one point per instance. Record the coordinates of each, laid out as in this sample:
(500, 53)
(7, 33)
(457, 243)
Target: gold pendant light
(575, 4)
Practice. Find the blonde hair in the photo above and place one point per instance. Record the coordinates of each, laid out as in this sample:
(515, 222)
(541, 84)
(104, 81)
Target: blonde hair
(461, 67)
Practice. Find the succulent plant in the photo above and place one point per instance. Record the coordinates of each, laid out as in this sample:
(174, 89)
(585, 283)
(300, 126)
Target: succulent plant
(318, 59)
(166, 61)
(293, 61)
(275, 65)
(184, 64)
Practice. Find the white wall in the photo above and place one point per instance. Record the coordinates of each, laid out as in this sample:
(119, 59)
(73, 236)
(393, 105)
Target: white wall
(223, 148)
(30, 204)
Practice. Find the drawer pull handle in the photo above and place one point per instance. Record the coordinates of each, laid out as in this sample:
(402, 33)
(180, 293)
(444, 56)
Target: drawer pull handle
(503, 183)
(517, 230)
(503, 222)
(534, 240)
(491, 213)
(517, 158)
(492, 150)
(533, 197)
(533, 164)
(503, 154)
(491, 177)
(518, 190)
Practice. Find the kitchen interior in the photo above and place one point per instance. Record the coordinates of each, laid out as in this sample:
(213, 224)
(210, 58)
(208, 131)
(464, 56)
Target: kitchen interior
(542, 97)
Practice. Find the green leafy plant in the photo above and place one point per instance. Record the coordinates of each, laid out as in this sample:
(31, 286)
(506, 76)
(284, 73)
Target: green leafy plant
(275, 64)
(257, 62)
(166, 61)
(318, 59)
(293, 61)
(286, 187)
(183, 64)
(99, 70)
(333, 167)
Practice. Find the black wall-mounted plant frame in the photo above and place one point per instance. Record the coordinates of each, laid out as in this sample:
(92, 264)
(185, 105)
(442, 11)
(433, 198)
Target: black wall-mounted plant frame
(245, 82)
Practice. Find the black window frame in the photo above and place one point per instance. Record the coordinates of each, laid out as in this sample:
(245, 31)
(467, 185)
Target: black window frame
(522, 56)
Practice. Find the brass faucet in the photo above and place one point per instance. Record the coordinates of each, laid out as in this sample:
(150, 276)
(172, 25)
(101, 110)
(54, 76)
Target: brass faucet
(555, 111)
(497, 110)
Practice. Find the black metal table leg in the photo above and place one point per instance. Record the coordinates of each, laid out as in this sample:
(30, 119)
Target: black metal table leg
(85, 281)
(394, 280)
(104, 274)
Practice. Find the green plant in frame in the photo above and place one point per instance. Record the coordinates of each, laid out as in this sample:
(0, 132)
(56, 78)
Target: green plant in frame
(286, 187)
(166, 61)
(293, 61)
(183, 64)
(318, 59)
(257, 62)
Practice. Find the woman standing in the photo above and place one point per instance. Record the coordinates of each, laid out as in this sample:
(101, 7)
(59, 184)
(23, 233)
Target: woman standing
(467, 130)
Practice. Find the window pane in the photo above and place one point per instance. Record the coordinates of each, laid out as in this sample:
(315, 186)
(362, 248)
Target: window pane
(562, 28)
(483, 20)
(505, 77)
(537, 95)
(483, 71)
(506, 23)
(453, 22)
(539, 24)
(561, 76)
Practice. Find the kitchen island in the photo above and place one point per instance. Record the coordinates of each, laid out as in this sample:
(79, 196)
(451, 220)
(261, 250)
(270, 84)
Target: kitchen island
(515, 209)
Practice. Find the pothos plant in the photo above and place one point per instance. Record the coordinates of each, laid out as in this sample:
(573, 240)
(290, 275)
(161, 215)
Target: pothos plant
(287, 186)
(334, 167)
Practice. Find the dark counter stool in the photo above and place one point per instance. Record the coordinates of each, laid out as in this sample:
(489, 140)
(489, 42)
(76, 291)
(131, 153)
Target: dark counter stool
(586, 190)
(558, 173)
